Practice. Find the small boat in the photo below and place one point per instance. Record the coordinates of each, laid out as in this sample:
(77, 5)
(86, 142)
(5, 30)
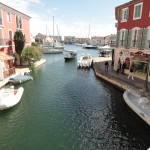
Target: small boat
(70, 54)
(85, 61)
(139, 104)
(89, 46)
(20, 78)
(9, 97)
(52, 50)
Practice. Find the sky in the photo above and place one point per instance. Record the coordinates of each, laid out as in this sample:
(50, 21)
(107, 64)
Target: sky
(80, 18)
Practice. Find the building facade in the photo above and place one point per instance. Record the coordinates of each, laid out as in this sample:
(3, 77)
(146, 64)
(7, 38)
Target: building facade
(11, 20)
(133, 37)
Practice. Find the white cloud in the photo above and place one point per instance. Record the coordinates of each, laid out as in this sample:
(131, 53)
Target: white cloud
(39, 21)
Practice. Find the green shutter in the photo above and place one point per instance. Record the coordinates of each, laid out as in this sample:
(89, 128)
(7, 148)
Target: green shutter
(120, 15)
(144, 39)
(129, 39)
(118, 36)
(127, 13)
(139, 38)
(126, 39)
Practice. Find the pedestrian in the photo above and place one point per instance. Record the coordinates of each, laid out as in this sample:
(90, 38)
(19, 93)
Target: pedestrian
(131, 73)
(118, 68)
(112, 65)
(106, 66)
(123, 67)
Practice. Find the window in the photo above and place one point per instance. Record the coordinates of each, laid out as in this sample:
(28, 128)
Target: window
(138, 11)
(1, 37)
(135, 33)
(148, 38)
(122, 37)
(18, 22)
(1, 23)
(124, 14)
(10, 35)
(8, 17)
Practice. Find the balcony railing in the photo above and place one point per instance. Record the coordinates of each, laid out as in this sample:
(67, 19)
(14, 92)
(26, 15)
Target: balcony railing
(9, 72)
(4, 42)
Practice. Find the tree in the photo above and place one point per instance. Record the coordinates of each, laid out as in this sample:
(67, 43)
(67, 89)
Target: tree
(34, 44)
(31, 52)
(19, 40)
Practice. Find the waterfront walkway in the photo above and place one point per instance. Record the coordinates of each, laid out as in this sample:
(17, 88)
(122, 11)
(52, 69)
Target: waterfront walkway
(119, 80)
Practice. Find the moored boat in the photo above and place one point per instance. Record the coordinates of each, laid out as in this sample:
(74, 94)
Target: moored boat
(20, 78)
(70, 54)
(139, 104)
(85, 61)
(9, 97)
(51, 50)
(89, 46)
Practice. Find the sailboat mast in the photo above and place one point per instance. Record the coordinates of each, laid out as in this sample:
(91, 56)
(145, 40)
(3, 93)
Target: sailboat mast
(89, 32)
(53, 31)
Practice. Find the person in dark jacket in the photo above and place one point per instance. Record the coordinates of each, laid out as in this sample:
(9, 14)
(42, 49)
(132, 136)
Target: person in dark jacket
(106, 66)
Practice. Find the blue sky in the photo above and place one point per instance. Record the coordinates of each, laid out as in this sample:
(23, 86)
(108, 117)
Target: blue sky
(72, 18)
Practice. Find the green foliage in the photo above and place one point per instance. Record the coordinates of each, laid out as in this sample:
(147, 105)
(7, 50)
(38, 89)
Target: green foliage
(19, 40)
(31, 52)
(34, 44)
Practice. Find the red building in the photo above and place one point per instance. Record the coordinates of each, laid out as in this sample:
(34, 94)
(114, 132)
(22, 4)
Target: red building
(133, 36)
(10, 21)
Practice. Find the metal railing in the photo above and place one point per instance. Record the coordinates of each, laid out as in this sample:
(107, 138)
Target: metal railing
(4, 42)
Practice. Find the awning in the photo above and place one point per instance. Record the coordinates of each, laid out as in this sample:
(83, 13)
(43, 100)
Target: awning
(4, 56)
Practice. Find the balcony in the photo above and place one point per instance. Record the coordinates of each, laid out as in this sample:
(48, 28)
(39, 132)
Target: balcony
(4, 43)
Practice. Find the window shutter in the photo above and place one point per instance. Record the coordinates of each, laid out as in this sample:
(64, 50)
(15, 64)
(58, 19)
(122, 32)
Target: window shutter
(118, 37)
(120, 15)
(144, 39)
(129, 39)
(126, 38)
(127, 13)
(139, 40)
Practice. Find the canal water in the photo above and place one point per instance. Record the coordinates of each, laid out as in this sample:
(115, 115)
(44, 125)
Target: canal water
(65, 108)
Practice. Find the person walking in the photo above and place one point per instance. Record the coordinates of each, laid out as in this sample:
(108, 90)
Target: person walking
(131, 73)
(123, 67)
(106, 66)
(118, 68)
(112, 65)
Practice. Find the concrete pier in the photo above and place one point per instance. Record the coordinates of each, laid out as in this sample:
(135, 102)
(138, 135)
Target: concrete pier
(118, 80)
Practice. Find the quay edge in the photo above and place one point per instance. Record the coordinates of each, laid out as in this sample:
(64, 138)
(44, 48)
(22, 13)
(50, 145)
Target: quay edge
(119, 81)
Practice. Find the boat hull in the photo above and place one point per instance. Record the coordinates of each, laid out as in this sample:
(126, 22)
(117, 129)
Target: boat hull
(20, 79)
(140, 105)
(85, 61)
(70, 54)
(10, 97)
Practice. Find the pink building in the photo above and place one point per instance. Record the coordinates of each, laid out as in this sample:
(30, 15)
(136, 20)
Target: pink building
(133, 36)
(10, 21)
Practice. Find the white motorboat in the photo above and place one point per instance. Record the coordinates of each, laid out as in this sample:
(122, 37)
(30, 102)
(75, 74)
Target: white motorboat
(139, 104)
(89, 46)
(20, 78)
(85, 61)
(70, 54)
(52, 50)
(9, 97)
